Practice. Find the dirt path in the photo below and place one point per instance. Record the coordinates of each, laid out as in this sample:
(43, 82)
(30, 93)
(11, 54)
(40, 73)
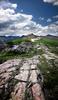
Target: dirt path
(18, 76)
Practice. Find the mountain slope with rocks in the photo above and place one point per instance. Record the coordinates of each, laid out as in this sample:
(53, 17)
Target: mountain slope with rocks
(19, 76)
(29, 69)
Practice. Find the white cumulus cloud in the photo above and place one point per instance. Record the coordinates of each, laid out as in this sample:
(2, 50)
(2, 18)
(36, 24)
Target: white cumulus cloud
(12, 23)
(52, 29)
(55, 16)
(49, 20)
(54, 2)
(41, 18)
(6, 4)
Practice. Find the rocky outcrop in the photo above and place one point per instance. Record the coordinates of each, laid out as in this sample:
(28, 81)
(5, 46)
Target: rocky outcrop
(24, 47)
(21, 76)
(2, 46)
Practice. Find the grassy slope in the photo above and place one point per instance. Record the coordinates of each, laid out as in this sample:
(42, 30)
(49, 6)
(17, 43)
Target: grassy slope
(50, 73)
(51, 43)
(48, 42)
(49, 69)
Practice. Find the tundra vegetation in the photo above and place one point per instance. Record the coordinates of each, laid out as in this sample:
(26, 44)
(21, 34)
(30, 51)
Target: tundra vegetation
(47, 51)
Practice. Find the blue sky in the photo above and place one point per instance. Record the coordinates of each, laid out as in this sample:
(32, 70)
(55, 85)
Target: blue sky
(38, 9)
(23, 17)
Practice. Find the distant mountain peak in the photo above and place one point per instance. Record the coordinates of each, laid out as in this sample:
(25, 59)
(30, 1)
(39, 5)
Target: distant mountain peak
(31, 36)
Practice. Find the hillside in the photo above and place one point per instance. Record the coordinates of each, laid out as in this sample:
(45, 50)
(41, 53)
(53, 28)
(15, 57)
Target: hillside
(29, 69)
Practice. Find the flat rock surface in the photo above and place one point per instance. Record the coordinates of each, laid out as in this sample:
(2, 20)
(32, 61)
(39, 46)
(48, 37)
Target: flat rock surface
(19, 74)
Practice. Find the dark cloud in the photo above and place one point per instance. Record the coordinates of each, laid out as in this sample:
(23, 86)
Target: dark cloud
(4, 25)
